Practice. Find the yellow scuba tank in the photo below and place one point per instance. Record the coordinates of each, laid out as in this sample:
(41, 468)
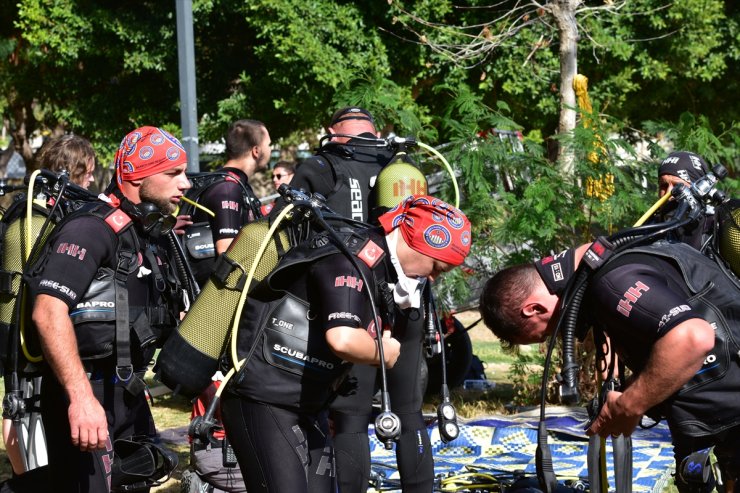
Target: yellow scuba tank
(728, 233)
(401, 177)
(14, 255)
(20, 234)
(190, 356)
(396, 181)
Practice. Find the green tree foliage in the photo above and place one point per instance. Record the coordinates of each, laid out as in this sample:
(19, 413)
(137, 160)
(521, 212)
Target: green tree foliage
(646, 59)
(302, 53)
(98, 68)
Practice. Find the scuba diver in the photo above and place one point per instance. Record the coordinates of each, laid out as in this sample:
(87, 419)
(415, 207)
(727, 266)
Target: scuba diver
(104, 297)
(343, 169)
(671, 315)
(311, 317)
(75, 156)
(414, 316)
(227, 197)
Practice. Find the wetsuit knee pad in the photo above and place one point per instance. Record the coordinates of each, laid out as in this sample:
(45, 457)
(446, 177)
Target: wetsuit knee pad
(352, 456)
(414, 455)
(415, 462)
(695, 473)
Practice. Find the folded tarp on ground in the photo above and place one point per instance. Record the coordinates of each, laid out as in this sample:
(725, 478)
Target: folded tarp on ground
(508, 443)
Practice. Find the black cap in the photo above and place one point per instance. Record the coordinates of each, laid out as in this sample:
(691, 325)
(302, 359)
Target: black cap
(351, 113)
(685, 165)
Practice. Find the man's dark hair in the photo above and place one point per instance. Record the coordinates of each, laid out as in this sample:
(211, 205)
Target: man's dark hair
(242, 136)
(502, 298)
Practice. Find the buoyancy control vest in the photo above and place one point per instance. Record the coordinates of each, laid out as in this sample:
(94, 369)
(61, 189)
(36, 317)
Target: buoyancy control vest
(200, 246)
(104, 321)
(710, 402)
(288, 362)
(353, 171)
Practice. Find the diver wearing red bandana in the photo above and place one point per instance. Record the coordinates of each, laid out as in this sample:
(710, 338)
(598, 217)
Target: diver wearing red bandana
(103, 293)
(440, 235)
(304, 326)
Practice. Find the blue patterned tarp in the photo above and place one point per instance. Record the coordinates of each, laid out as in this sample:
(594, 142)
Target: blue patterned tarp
(508, 442)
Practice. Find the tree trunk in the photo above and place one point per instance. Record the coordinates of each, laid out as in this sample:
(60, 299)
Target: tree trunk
(24, 127)
(564, 12)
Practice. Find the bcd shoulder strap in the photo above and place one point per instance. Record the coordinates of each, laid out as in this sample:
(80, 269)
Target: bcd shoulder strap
(127, 253)
(210, 179)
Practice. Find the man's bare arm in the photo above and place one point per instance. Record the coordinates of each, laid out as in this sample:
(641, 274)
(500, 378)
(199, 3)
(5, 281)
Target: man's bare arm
(357, 346)
(674, 359)
(88, 423)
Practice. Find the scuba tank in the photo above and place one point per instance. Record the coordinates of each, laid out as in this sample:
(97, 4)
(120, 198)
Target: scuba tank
(727, 235)
(16, 252)
(396, 181)
(190, 357)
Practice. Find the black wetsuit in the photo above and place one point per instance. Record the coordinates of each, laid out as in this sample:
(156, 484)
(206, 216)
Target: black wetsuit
(345, 174)
(352, 413)
(274, 408)
(78, 249)
(640, 296)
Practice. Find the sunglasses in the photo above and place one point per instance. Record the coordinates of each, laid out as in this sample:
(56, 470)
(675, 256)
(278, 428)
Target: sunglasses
(278, 176)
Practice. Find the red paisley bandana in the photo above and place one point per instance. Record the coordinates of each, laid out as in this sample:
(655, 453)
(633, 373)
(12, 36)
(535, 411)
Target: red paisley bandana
(432, 227)
(147, 151)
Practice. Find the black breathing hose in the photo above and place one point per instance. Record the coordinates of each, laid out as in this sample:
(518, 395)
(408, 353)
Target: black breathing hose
(447, 424)
(387, 424)
(184, 272)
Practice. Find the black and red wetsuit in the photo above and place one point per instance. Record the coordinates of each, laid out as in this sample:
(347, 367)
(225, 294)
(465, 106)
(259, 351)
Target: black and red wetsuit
(642, 294)
(274, 410)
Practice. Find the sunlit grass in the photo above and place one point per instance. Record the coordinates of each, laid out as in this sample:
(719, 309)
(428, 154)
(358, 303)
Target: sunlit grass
(491, 352)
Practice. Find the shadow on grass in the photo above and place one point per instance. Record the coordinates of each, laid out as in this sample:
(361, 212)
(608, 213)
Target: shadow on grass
(476, 403)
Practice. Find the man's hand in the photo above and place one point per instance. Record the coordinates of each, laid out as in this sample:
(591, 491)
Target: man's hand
(182, 224)
(662, 376)
(87, 422)
(358, 346)
(391, 349)
(614, 419)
